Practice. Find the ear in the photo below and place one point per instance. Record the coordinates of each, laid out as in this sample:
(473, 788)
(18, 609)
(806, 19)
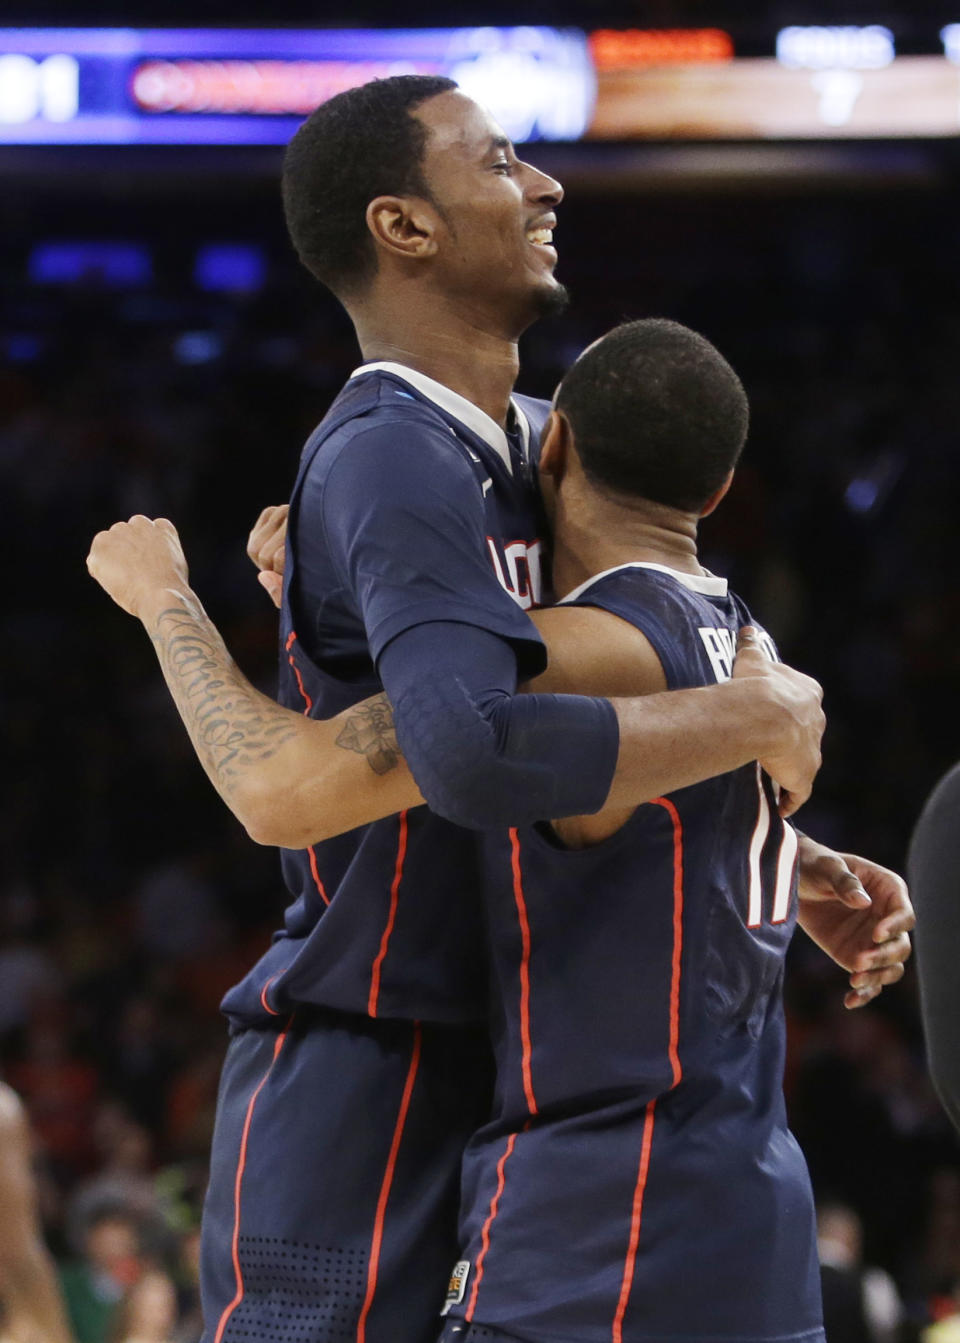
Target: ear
(403, 225)
(555, 444)
(717, 497)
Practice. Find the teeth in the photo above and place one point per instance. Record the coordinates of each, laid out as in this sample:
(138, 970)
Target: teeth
(541, 236)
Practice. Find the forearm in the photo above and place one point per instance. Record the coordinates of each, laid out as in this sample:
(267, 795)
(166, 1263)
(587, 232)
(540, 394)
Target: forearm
(289, 780)
(482, 755)
(681, 737)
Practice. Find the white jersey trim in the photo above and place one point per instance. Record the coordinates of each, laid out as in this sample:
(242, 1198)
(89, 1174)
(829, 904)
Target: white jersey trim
(475, 419)
(709, 584)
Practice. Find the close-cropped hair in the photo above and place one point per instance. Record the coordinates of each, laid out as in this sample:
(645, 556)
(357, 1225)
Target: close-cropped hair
(361, 144)
(657, 413)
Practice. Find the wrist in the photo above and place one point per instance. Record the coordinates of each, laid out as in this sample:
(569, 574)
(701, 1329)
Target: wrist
(160, 597)
(757, 715)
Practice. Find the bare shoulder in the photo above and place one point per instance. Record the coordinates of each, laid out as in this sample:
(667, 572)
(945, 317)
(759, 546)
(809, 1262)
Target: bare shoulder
(593, 652)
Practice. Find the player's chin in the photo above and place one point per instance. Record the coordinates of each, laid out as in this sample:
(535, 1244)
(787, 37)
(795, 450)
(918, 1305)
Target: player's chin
(550, 298)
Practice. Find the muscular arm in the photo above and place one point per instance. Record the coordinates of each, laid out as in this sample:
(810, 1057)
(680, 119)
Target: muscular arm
(28, 1281)
(292, 781)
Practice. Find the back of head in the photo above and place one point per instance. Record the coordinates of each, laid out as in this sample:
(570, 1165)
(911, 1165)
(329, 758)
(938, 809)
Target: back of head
(361, 144)
(657, 413)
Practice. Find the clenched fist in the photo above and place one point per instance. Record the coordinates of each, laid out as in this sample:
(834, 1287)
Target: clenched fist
(138, 562)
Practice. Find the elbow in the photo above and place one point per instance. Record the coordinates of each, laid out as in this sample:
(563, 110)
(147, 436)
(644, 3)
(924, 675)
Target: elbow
(470, 802)
(476, 793)
(275, 817)
(266, 816)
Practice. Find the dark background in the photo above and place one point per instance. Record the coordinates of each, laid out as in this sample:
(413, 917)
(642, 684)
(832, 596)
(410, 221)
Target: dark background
(130, 899)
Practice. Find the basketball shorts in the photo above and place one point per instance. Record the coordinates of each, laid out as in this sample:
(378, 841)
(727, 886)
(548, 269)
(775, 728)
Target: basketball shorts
(330, 1215)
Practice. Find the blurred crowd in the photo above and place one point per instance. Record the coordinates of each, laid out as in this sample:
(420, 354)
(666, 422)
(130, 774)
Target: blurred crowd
(129, 899)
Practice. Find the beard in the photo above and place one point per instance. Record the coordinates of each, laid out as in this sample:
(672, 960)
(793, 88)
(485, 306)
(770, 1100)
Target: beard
(551, 300)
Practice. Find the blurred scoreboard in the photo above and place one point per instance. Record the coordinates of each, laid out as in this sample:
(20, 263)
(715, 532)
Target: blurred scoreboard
(839, 82)
(254, 86)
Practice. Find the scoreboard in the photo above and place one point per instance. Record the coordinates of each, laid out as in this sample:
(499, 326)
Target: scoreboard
(254, 86)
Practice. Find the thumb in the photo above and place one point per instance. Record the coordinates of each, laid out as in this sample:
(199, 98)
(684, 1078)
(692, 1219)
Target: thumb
(747, 637)
(846, 885)
(273, 585)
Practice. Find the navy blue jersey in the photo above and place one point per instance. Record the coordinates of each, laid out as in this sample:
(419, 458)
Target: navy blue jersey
(411, 505)
(639, 1181)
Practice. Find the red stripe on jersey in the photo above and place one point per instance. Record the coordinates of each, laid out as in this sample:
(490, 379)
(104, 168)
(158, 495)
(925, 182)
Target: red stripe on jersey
(377, 1240)
(308, 702)
(263, 995)
(673, 1047)
(307, 706)
(238, 1184)
(316, 875)
(524, 972)
(635, 1220)
(391, 917)
(491, 1218)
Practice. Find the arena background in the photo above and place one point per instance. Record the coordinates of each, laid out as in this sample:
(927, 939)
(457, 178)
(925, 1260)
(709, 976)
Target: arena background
(827, 270)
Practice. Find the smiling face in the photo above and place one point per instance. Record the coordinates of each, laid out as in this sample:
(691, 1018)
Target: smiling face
(496, 214)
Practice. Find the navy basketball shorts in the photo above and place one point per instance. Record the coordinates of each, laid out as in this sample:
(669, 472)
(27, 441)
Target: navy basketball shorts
(331, 1211)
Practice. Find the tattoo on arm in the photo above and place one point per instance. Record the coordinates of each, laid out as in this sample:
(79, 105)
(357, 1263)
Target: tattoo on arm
(231, 724)
(369, 731)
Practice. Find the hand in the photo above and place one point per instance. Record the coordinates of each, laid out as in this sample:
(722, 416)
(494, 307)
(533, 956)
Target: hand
(858, 913)
(136, 561)
(795, 758)
(266, 546)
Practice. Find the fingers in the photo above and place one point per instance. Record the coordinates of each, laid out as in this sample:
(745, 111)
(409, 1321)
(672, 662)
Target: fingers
(266, 542)
(273, 585)
(791, 800)
(855, 998)
(844, 885)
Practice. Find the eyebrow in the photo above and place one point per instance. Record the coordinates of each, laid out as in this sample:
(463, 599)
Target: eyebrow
(499, 142)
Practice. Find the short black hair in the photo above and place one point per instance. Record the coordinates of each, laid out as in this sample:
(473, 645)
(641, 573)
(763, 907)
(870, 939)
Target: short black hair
(656, 413)
(361, 144)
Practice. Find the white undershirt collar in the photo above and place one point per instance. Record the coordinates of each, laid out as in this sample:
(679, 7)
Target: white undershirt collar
(475, 419)
(707, 583)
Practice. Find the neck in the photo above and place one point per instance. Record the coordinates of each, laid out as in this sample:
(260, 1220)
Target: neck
(593, 534)
(443, 340)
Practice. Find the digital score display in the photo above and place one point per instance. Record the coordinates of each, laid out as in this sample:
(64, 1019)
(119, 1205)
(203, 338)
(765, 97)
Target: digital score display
(254, 86)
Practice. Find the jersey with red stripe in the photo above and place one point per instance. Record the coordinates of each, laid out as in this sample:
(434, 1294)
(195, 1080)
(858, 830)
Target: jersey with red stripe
(438, 520)
(639, 1181)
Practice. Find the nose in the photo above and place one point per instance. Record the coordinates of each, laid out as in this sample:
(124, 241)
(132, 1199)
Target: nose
(542, 189)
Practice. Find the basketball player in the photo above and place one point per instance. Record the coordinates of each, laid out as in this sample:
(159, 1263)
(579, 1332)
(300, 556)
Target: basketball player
(639, 1181)
(933, 867)
(355, 1073)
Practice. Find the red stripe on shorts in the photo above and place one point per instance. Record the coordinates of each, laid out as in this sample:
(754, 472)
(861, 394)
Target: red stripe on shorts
(381, 1212)
(238, 1185)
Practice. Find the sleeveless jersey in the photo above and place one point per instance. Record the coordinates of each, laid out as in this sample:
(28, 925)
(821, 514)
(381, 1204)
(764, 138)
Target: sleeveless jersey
(639, 1181)
(410, 505)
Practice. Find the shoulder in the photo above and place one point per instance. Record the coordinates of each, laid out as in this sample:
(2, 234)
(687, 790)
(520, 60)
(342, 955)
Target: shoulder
(596, 652)
(405, 437)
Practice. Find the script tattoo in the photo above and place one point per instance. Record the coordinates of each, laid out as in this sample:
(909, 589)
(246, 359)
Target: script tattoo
(369, 731)
(231, 725)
